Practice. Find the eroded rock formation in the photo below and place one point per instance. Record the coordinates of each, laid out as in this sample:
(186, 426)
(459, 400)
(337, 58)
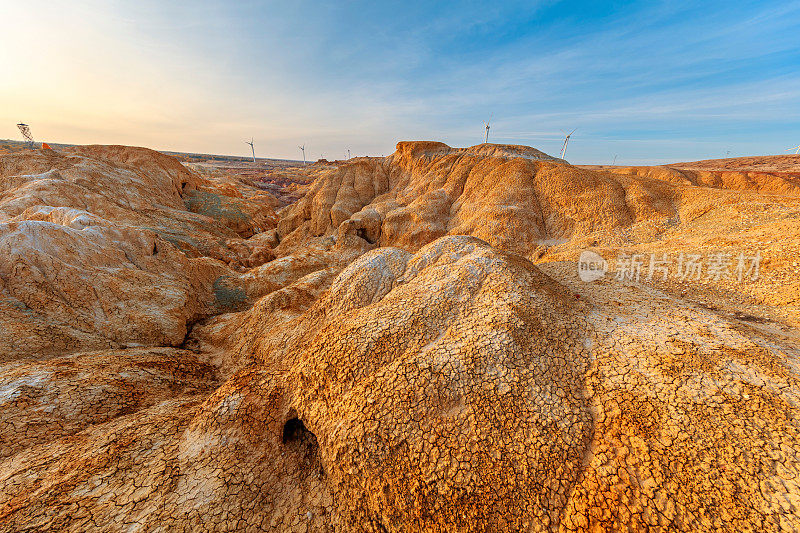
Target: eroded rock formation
(427, 190)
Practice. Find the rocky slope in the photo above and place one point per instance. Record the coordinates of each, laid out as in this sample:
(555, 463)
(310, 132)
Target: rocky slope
(105, 247)
(420, 356)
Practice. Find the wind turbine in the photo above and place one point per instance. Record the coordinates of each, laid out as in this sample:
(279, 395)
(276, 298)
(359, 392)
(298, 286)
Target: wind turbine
(566, 142)
(252, 148)
(25, 130)
(615, 159)
(303, 149)
(488, 125)
(348, 153)
(796, 149)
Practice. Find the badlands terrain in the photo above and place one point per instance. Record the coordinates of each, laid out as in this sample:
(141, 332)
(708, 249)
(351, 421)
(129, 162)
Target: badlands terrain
(397, 344)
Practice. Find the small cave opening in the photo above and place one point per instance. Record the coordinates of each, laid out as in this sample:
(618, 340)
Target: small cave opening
(294, 430)
(297, 438)
(155, 248)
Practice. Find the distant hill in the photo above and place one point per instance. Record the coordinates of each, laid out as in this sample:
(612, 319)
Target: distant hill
(763, 163)
(759, 163)
(10, 146)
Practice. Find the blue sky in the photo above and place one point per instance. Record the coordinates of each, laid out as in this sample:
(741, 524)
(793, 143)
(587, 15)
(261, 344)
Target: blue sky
(650, 82)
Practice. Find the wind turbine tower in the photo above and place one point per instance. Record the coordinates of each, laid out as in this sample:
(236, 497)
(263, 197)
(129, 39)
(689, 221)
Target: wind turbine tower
(487, 125)
(252, 148)
(348, 153)
(566, 142)
(25, 130)
(303, 149)
(796, 149)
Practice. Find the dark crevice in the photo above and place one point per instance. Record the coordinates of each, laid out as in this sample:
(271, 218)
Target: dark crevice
(361, 232)
(190, 343)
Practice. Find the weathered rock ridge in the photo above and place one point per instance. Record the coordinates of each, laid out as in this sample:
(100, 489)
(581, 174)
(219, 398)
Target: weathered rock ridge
(510, 198)
(100, 248)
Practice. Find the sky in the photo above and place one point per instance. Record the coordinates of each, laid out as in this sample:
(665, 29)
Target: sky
(647, 82)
